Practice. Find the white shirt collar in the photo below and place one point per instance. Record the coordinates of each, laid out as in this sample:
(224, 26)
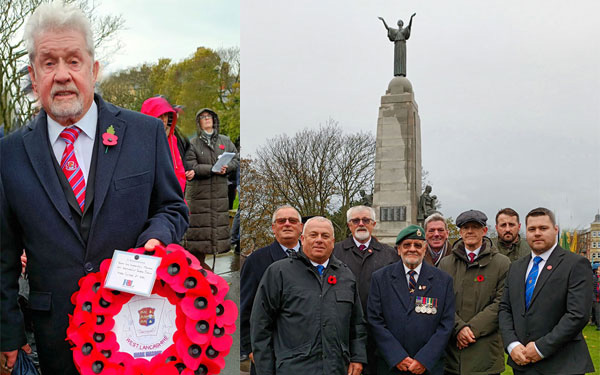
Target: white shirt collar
(360, 243)
(417, 269)
(295, 248)
(545, 255)
(476, 251)
(87, 124)
(323, 264)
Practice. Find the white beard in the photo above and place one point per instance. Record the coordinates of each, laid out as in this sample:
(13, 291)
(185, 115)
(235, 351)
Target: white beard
(362, 235)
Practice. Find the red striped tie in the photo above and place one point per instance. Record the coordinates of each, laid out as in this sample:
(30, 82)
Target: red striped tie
(70, 166)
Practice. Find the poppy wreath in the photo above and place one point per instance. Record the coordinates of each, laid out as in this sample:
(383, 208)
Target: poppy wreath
(204, 320)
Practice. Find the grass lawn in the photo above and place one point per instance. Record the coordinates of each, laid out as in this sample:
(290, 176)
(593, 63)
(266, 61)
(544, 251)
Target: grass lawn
(592, 337)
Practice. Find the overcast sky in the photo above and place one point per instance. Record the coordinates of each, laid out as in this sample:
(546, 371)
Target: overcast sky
(508, 91)
(174, 29)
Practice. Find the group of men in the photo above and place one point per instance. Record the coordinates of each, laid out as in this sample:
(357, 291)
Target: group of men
(311, 305)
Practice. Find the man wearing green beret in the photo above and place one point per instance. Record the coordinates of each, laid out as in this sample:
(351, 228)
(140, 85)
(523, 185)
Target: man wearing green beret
(410, 310)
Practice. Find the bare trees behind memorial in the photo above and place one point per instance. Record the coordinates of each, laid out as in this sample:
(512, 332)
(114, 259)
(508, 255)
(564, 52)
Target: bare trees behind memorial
(318, 171)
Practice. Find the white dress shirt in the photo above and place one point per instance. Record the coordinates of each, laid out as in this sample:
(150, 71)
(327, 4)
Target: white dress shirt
(323, 264)
(476, 252)
(417, 269)
(545, 255)
(84, 144)
(357, 243)
(295, 248)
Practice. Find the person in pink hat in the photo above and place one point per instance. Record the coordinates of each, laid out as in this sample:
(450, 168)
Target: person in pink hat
(159, 107)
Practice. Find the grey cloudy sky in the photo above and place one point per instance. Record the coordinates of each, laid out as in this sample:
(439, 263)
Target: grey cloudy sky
(174, 29)
(508, 91)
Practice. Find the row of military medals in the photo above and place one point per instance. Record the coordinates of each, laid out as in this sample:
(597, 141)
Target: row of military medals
(426, 305)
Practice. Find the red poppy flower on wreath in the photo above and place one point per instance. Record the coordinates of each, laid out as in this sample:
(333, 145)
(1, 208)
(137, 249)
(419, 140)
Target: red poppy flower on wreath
(222, 147)
(332, 280)
(186, 313)
(479, 278)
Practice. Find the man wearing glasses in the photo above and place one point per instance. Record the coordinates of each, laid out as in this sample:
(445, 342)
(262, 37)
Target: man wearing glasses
(287, 226)
(364, 255)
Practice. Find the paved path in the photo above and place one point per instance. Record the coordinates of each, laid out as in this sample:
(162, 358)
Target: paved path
(228, 266)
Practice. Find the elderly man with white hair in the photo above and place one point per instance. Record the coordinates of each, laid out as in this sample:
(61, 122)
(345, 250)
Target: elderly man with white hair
(364, 255)
(80, 180)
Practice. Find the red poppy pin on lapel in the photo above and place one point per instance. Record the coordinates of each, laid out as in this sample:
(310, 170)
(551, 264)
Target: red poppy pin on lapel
(332, 280)
(549, 267)
(109, 138)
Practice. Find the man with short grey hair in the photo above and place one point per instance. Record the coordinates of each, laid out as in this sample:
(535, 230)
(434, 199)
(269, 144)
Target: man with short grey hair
(307, 317)
(364, 255)
(286, 224)
(80, 180)
(436, 234)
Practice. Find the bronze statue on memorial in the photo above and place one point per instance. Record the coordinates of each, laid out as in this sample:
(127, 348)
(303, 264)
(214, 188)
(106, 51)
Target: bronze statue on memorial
(366, 199)
(427, 205)
(399, 36)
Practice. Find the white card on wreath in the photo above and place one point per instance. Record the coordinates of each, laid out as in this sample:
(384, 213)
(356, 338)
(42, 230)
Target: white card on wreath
(132, 273)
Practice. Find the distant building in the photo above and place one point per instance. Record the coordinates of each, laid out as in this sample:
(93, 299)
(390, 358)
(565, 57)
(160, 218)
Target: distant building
(588, 241)
(595, 240)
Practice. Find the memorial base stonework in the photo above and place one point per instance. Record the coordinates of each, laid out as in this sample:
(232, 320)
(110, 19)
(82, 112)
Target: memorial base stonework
(397, 161)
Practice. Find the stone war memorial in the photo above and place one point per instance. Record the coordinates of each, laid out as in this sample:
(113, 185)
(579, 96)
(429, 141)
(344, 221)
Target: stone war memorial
(398, 147)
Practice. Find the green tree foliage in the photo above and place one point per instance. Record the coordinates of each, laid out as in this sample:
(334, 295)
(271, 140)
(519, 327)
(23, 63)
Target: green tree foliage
(207, 79)
(16, 101)
(453, 234)
(128, 88)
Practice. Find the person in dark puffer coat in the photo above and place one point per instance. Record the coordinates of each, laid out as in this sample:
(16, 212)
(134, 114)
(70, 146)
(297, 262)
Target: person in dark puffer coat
(206, 193)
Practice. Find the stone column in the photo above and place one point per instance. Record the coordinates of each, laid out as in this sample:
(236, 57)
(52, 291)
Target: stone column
(397, 161)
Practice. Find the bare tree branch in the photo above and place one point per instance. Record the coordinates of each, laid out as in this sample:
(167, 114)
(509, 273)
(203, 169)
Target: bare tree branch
(17, 105)
(319, 171)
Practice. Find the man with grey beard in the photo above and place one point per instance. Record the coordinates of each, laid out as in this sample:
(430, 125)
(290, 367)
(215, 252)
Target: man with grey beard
(80, 180)
(364, 255)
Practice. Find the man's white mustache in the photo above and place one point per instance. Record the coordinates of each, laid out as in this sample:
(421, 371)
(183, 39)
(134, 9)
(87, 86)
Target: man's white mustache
(57, 89)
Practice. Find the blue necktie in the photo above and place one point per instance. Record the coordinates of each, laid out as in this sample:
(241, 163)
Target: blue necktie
(320, 268)
(290, 252)
(530, 285)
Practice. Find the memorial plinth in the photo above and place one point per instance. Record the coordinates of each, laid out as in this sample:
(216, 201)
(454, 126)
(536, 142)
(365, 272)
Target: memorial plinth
(397, 161)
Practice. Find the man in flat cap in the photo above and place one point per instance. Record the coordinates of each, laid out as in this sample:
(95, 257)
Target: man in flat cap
(478, 270)
(410, 310)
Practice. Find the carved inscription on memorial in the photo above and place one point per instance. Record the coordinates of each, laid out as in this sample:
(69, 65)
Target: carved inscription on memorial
(397, 213)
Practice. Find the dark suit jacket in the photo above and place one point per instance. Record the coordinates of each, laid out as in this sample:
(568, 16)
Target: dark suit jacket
(363, 263)
(398, 329)
(252, 271)
(559, 309)
(136, 197)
